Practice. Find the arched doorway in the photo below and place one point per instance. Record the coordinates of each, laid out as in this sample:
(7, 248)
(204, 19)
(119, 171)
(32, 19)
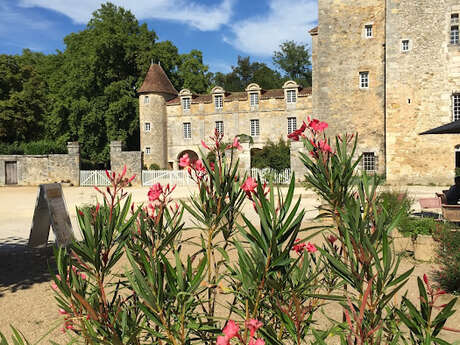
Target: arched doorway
(191, 155)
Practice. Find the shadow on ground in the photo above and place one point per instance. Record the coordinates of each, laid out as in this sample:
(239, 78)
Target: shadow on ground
(21, 267)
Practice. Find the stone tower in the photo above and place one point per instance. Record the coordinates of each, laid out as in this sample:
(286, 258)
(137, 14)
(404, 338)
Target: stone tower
(156, 90)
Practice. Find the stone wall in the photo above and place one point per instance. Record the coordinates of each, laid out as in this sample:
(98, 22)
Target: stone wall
(39, 169)
(132, 160)
(236, 115)
(420, 84)
(341, 52)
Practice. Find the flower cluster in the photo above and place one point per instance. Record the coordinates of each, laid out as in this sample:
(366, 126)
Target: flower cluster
(159, 196)
(231, 330)
(300, 247)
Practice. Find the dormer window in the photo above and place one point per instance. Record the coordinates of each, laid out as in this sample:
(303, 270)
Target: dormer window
(185, 99)
(219, 101)
(218, 97)
(254, 99)
(186, 103)
(290, 92)
(291, 96)
(146, 100)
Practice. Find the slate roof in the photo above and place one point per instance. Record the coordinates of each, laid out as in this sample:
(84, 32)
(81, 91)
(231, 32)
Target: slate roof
(156, 80)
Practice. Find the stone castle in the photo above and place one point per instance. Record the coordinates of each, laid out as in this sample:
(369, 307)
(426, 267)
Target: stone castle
(386, 69)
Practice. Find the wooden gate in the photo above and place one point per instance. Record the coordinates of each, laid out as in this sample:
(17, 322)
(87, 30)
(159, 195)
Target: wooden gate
(11, 173)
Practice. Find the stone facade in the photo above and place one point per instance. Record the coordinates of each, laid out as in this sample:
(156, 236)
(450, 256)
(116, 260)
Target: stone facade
(39, 169)
(191, 118)
(132, 160)
(413, 71)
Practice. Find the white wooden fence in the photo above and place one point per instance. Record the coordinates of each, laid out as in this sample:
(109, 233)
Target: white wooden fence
(93, 178)
(173, 177)
(278, 177)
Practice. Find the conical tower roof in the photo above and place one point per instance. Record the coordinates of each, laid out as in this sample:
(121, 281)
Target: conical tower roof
(156, 80)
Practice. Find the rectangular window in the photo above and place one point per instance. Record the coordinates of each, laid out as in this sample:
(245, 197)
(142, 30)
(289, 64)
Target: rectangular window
(405, 45)
(454, 34)
(146, 100)
(186, 103)
(187, 130)
(364, 80)
(255, 129)
(369, 161)
(220, 127)
(254, 99)
(368, 31)
(292, 124)
(147, 126)
(291, 96)
(456, 106)
(219, 101)
(454, 18)
(147, 150)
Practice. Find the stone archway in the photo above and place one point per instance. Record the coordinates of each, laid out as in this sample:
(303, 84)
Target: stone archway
(191, 154)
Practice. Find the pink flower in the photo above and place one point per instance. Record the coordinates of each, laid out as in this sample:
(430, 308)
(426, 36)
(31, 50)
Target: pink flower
(316, 125)
(62, 311)
(324, 146)
(54, 286)
(253, 326)
(298, 247)
(236, 144)
(231, 329)
(199, 166)
(257, 342)
(184, 161)
(332, 239)
(295, 135)
(204, 145)
(311, 248)
(155, 191)
(221, 340)
(249, 185)
(425, 279)
(83, 276)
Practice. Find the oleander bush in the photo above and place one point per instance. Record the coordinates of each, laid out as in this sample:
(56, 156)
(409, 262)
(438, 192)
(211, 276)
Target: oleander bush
(142, 275)
(448, 275)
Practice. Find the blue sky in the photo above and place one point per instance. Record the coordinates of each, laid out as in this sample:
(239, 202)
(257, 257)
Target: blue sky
(221, 29)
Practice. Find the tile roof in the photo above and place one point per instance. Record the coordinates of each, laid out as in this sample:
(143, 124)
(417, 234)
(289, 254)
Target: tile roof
(241, 96)
(156, 80)
(314, 31)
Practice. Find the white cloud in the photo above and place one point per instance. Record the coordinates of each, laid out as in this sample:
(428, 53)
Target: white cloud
(285, 21)
(201, 17)
(12, 18)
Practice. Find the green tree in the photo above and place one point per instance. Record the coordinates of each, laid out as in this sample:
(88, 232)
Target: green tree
(193, 74)
(294, 60)
(272, 155)
(246, 72)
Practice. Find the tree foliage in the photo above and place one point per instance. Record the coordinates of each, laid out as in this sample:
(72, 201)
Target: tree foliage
(273, 155)
(246, 72)
(294, 60)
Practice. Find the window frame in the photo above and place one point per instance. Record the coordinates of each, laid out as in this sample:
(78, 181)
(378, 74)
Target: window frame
(291, 124)
(368, 28)
(454, 18)
(251, 95)
(218, 124)
(146, 100)
(291, 96)
(254, 127)
(218, 102)
(187, 130)
(369, 162)
(454, 34)
(403, 45)
(364, 83)
(147, 150)
(186, 103)
(455, 106)
(147, 127)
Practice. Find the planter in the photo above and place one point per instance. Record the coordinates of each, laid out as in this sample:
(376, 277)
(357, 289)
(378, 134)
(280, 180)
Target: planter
(402, 243)
(425, 248)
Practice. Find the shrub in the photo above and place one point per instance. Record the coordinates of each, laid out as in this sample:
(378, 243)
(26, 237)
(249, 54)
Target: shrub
(154, 166)
(411, 226)
(448, 275)
(273, 155)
